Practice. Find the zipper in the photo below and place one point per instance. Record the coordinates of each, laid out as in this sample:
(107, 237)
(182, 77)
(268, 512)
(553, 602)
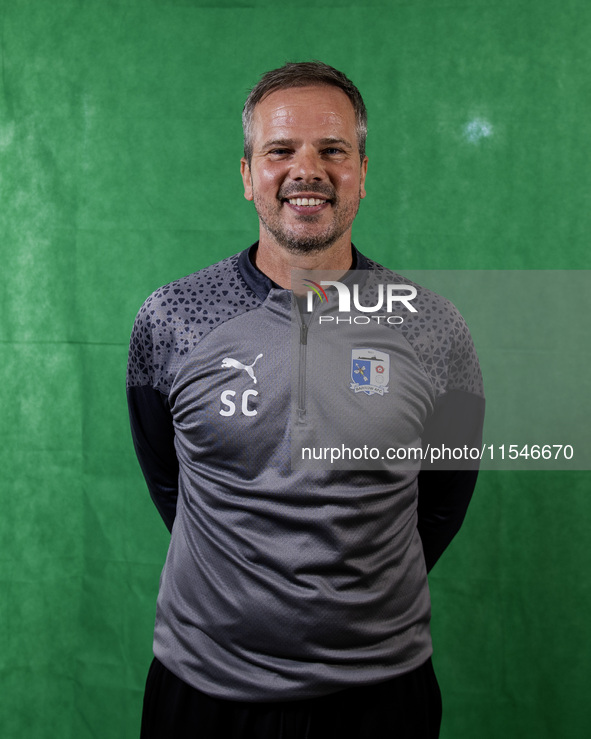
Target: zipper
(302, 362)
(302, 369)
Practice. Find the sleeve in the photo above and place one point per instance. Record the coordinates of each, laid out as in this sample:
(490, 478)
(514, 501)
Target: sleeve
(150, 417)
(446, 486)
(446, 481)
(153, 438)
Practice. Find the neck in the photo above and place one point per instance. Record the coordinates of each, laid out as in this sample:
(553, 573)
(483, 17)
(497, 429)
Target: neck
(277, 262)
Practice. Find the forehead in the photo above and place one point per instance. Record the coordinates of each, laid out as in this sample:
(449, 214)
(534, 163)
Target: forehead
(318, 111)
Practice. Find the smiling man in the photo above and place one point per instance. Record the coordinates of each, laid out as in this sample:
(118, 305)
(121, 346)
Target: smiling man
(305, 172)
(294, 599)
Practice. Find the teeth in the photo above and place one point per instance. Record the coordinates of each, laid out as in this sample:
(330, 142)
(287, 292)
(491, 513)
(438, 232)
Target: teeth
(306, 201)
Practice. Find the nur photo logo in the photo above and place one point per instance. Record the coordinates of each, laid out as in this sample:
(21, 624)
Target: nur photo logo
(359, 305)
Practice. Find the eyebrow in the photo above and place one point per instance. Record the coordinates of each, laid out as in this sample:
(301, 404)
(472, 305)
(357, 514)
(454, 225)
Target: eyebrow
(278, 142)
(333, 140)
(328, 141)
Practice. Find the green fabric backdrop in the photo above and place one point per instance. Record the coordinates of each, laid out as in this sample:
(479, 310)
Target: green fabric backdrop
(119, 146)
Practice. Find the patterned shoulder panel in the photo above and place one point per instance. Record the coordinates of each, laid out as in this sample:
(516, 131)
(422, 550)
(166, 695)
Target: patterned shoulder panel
(439, 337)
(175, 317)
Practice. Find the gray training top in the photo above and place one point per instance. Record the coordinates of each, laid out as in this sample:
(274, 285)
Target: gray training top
(286, 583)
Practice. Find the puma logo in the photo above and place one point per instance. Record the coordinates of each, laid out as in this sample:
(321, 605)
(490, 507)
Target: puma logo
(229, 362)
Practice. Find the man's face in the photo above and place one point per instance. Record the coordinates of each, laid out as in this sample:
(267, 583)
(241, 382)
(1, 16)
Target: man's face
(305, 176)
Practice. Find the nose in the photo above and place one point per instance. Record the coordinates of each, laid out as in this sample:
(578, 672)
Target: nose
(307, 166)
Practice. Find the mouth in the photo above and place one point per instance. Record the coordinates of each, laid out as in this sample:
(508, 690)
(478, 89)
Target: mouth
(306, 203)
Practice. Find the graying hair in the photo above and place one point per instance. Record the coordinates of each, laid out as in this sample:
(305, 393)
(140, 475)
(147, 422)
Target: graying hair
(302, 74)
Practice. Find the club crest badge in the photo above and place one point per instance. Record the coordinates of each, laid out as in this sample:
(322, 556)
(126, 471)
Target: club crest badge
(370, 371)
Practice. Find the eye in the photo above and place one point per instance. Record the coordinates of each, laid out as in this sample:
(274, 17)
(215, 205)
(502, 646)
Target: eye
(333, 152)
(279, 152)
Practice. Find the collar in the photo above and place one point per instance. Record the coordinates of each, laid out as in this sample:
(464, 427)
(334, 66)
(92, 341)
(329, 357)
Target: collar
(262, 285)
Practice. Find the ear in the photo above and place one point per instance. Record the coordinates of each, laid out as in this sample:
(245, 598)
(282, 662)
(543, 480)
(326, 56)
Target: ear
(362, 192)
(246, 179)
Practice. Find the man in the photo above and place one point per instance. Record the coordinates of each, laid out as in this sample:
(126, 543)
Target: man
(294, 600)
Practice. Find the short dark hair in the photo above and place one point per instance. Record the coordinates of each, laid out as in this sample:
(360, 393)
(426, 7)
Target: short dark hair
(303, 74)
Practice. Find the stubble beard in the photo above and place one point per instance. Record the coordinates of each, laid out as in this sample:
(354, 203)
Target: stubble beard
(307, 243)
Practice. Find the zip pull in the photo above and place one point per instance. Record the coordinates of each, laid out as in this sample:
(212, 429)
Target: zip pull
(304, 333)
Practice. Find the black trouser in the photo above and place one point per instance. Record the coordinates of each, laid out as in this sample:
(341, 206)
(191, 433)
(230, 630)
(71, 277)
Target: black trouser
(405, 707)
